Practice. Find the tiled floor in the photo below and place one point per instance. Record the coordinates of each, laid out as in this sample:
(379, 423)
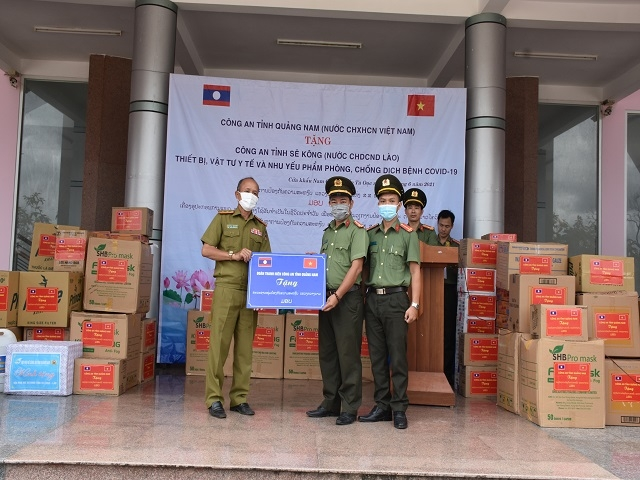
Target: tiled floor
(165, 424)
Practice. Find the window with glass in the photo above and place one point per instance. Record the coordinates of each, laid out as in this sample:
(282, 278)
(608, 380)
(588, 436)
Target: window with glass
(51, 160)
(568, 177)
(633, 190)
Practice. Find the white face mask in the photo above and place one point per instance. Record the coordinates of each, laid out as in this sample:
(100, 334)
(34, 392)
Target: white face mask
(248, 201)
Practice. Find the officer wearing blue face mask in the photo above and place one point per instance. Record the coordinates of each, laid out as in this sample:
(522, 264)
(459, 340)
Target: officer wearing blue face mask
(393, 261)
(344, 242)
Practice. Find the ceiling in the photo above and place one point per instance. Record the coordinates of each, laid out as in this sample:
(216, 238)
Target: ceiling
(404, 42)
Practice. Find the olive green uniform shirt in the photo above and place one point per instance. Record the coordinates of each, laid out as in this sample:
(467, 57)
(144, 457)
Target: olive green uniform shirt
(426, 234)
(230, 232)
(342, 246)
(390, 253)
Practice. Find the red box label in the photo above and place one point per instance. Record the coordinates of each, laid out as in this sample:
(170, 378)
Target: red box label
(564, 322)
(47, 245)
(4, 298)
(572, 376)
(128, 220)
(206, 300)
(203, 336)
(264, 338)
(42, 299)
(364, 347)
(481, 280)
(70, 249)
(97, 377)
(484, 253)
(606, 272)
(548, 296)
(48, 333)
(483, 349)
(613, 325)
(481, 306)
(307, 341)
(150, 334)
(148, 366)
(98, 334)
(535, 265)
(481, 326)
(483, 383)
(112, 271)
(625, 387)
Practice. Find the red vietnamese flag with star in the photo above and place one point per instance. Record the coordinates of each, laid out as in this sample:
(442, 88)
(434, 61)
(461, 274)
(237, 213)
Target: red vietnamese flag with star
(421, 105)
(310, 263)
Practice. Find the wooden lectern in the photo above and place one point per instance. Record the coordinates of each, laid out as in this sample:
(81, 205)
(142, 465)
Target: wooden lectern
(427, 383)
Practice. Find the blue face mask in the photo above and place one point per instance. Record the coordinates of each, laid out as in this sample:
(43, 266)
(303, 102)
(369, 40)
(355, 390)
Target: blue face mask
(388, 212)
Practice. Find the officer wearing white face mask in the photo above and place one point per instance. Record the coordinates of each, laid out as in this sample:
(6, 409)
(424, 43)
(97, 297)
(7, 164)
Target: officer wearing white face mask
(230, 240)
(344, 242)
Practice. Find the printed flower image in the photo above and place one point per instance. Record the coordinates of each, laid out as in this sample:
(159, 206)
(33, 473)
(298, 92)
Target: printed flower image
(187, 287)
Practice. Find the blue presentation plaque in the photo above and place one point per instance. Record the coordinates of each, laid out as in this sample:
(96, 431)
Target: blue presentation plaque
(286, 280)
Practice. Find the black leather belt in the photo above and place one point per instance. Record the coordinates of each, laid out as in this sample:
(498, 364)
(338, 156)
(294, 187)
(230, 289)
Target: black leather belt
(386, 290)
(352, 289)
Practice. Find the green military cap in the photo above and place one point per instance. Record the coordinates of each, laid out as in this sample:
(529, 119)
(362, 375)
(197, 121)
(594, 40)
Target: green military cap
(340, 185)
(388, 184)
(414, 195)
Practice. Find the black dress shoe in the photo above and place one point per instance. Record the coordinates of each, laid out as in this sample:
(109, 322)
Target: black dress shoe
(399, 420)
(321, 412)
(345, 419)
(376, 415)
(217, 410)
(243, 409)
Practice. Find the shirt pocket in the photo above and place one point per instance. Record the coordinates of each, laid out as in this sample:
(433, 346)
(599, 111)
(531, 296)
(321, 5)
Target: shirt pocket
(374, 251)
(255, 242)
(396, 258)
(342, 253)
(231, 240)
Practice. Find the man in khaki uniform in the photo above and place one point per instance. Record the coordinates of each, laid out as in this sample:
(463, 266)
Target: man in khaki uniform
(394, 264)
(344, 242)
(414, 201)
(230, 240)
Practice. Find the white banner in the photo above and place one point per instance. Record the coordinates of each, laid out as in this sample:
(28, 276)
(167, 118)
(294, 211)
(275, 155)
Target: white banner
(292, 137)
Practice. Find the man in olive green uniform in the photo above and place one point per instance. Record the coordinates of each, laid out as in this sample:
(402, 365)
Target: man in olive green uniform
(344, 242)
(393, 261)
(443, 239)
(414, 201)
(230, 240)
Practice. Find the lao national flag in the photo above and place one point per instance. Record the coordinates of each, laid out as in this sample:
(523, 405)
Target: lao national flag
(87, 368)
(264, 261)
(310, 263)
(421, 105)
(618, 378)
(218, 95)
(561, 366)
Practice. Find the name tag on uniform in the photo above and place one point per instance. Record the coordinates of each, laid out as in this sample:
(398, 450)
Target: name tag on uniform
(255, 231)
(231, 225)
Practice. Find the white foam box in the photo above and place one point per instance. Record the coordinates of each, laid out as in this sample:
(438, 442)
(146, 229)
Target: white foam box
(99, 376)
(38, 367)
(477, 280)
(622, 379)
(529, 259)
(565, 322)
(602, 273)
(561, 382)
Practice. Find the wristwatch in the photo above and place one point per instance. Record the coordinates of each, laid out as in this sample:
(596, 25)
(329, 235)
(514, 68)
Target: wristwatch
(230, 254)
(415, 305)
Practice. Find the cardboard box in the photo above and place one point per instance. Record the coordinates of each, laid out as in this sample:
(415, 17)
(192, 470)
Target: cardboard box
(198, 339)
(622, 386)
(268, 347)
(99, 376)
(602, 273)
(478, 382)
(474, 253)
(43, 246)
(133, 237)
(561, 382)
(147, 366)
(367, 373)
(301, 348)
(527, 290)
(565, 322)
(107, 335)
(529, 259)
(71, 251)
(148, 335)
(56, 334)
(507, 369)
(479, 349)
(9, 298)
(477, 280)
(613, 317)
(136, 220)
(49, 298)
(501, 237)
(473, 306)
(41, 367)
(132, 370)
(502, 321)
(118, 276)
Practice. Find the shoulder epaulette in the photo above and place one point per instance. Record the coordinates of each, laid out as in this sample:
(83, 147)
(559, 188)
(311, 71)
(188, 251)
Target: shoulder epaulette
(357, 223)
(260, 220)
(406, 227)
(372, 227)
(428, 227)
(225, 212)
(455, 241)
